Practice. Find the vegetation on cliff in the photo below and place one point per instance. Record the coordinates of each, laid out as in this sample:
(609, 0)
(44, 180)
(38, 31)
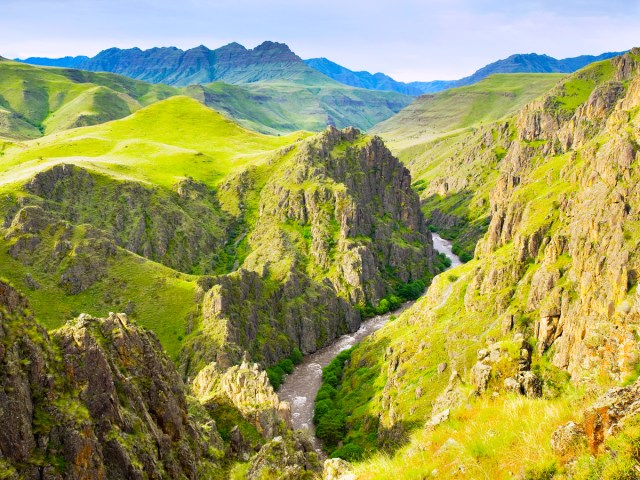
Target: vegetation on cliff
(501, 352)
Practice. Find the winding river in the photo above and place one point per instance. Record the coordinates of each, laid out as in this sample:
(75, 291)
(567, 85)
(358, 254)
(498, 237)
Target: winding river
(300, 388)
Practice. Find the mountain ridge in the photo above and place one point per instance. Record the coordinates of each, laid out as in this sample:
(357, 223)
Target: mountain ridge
(232, 63)
(517, 63)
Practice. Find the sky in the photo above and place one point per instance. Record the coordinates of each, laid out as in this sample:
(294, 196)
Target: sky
(407, 39)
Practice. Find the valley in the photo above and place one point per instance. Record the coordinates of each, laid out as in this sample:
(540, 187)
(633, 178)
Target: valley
(226, 264)
(301, 387)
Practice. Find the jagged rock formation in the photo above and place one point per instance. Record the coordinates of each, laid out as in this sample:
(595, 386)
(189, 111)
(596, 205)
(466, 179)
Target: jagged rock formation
(288, 458)
(581, 240)
(98, 399)
(183, 229)
(337, 226)
(248, 389)
(552, 289)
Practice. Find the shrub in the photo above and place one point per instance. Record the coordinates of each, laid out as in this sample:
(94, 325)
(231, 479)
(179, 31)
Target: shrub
(286, 365)
(331, 428)
(349, 452)
(275, 375)
(296, 356)
(326, 391)
(321, 409)
(383, 307)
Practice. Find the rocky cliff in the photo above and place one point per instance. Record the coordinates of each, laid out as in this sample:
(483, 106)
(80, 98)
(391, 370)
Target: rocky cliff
(548, 303)
(97, 399)
(335, 226)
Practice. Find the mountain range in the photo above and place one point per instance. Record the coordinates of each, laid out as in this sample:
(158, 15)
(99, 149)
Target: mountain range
(231, 63)
(519, 63)
(232, 246)
(269, 61)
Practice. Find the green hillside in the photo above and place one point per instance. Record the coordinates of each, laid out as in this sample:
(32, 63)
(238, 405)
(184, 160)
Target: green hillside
(36, 101)
(441, 114)
(155, 166)
(160, 144)
(478, 378)
(433, 137)
(285, 106)
(178, 201)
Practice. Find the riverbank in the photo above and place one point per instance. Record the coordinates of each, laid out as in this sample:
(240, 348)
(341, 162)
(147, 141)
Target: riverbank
(300, 388)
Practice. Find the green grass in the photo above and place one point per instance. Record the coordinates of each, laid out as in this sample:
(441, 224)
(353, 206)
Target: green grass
(434, 116)
(37, 100)
(285, 106)
(162, 300)
(160, 144)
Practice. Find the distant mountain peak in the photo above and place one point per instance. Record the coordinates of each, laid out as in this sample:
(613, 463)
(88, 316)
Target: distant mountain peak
(232, 63)
(516, 63)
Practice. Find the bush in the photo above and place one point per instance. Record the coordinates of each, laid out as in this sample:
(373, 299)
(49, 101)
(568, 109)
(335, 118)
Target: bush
(412, 290)
(326, 392)
(383, 307)
(286, 365)
(350, 452)
(275, 375)
(331, 428)
(296, 356)
(321, 408)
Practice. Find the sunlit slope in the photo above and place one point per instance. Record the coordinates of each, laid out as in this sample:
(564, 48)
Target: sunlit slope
(286, 106)
(37, 100)
(161, 144)
(433, 116)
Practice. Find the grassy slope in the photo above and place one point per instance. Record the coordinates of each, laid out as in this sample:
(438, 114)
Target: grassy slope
(285, 106)
(433, 116)
(503, 437)
(158, 145)
(37, 100)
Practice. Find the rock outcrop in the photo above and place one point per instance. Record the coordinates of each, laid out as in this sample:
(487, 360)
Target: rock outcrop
(337, 226)
(288, 457)
(99, 399)
(183, 228)
(248, 389)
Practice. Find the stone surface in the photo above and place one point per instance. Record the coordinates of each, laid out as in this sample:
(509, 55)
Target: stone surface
(287, 457)
(337, 469)
(567, 437)
(100, 395)
(609, 413)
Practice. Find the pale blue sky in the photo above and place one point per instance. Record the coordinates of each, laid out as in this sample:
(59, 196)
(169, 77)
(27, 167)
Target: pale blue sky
(407, 39)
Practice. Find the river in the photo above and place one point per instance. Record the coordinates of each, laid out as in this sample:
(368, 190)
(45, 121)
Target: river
(300, 388)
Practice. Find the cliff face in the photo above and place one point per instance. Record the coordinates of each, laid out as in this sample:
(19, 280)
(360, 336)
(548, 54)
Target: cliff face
(183, 229)
(336, 226)
(550, 298)
(98, 399)
(581, 234)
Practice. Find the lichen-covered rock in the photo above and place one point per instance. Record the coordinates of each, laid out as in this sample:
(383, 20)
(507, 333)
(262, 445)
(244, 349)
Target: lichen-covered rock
(98, 400)
(480, 376)
(531, 384)
(289, 457)
(337, 469)
(337, 226)
(248, 389)
(567, 437)
(609, 413)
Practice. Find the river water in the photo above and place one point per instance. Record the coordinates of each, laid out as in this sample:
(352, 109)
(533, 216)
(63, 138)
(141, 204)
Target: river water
(300, 388)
